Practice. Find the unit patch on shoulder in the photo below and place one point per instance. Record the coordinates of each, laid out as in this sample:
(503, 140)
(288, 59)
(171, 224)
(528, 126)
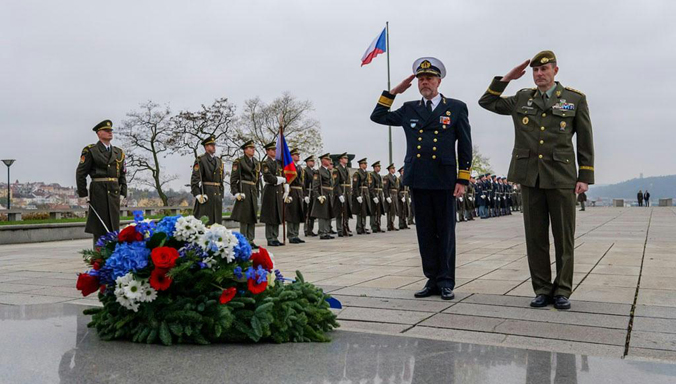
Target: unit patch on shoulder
(82, 159)
(196, 167)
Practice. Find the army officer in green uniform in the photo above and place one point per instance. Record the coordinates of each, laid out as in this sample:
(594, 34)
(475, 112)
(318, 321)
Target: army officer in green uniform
(104, 164)
(245, 186)
(206, 183)
(546, 120)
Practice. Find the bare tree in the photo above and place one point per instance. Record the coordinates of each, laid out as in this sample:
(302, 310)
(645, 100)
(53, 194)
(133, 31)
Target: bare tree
(480, 163)
(146, 134)
(260, 122)
(219, 119)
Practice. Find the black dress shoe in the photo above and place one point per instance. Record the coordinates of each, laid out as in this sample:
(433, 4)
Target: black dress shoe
(299, 241)
(341, 235)
(272, 244)
(561, 302)
(447, 294)
(426, 292)
(540, 301)
(326, 237)
(332, 232)
(294, 241)
(279, 243)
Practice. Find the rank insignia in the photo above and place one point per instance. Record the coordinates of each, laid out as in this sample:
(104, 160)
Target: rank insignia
(525, 120)
(562, 126)
(558, 93)
(448, 113)
(445, 120)
(82, 159)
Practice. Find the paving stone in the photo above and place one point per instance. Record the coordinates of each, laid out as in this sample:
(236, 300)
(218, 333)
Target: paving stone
(563, 346)
(468, 323)
(656, 297)
(382, 315)
(650, 324)
(651, 354)
(15, 288)
(611, 280)
(589, 292)
(489, 286)
(362, 326)
(655, 311)
(523, 302)
(399, 304)
(389, 282)
(563, 332)
(653, 340)
(456, 335)
(24, 299)
(391, 293)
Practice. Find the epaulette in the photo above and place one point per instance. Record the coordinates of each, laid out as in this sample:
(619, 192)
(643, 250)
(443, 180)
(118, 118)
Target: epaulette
(574, 90)
(86, 149)
(527, 90)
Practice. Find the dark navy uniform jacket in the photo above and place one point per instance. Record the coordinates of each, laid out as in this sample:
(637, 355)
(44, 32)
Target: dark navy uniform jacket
(430, 161)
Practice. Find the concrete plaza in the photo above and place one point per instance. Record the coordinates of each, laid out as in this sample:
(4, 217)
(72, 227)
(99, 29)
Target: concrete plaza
(624, 303)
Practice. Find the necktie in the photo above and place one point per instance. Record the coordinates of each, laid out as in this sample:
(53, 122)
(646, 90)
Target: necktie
(429, 106)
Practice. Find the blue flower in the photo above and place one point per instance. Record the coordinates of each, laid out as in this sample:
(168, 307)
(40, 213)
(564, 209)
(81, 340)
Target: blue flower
(168, 225)
(278, 275)
(108, 237)
(147, 229)
(138, 216)
(192, 248)
(259, 274)
(127, 257)
(243, 248)
(238, 272)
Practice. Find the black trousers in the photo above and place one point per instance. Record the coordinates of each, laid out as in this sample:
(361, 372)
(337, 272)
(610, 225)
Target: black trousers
(435, 227)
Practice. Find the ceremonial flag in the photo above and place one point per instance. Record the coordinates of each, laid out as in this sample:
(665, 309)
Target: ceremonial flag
(378, 46)
(284, 156)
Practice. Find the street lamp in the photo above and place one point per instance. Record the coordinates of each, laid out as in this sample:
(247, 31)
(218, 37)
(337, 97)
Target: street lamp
(8, 163)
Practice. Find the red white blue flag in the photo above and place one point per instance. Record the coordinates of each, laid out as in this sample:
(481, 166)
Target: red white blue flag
(378, 46)
(284, 156)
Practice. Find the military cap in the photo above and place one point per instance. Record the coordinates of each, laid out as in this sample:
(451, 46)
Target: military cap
(429, 66)
(363, 161)
(105, 124)
(344, 154)
(209, 140)
(325, 156)
(390, 166)
(311, 158)
(295, 151)
(271, 145)
(248, 144)
(542, 58)
(376, 164)
(401, 169)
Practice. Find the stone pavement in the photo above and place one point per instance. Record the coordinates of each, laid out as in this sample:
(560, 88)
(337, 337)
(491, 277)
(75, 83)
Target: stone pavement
(624, 303)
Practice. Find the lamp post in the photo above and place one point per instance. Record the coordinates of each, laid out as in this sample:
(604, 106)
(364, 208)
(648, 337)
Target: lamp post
(8, 163)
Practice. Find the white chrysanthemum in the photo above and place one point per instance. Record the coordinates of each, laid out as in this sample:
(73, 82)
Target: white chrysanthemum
(188, 228)
(122, 281)
(133, 290)
(219, 241)
(210, 262)
(148, 294)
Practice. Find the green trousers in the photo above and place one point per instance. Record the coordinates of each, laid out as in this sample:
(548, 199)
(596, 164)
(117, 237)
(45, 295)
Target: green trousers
(248, 230)
(540, 208)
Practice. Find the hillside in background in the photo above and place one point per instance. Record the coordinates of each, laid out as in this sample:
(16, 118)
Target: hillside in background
(658, 186)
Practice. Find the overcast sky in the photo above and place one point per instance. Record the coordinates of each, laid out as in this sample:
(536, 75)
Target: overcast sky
(66, 65)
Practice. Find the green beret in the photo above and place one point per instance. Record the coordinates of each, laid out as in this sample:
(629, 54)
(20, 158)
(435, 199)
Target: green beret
(105, 124)
(542, 58)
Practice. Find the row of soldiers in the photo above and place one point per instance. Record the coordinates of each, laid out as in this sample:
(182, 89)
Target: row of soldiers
(328, 192)
(488, 196)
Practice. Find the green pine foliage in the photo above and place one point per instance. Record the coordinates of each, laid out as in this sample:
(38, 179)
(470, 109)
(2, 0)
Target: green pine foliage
(291, 312)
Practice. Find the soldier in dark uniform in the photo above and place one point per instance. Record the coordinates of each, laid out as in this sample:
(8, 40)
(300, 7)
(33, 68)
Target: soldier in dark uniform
(481, 196)
(104, 164)
(361, 196)
(405, 198)
(295, 212)
(391, 191)
(308, 201)
(274, 190)
(377, 197)
(206, 183)
(342, 194)
(469, 199)
(543, 163)
(432, 126)
(322, 192)
(245, 186)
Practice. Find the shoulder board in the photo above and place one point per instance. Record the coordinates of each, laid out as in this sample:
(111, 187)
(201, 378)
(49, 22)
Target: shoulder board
(574, 90)
(527, 90)
(86, 149)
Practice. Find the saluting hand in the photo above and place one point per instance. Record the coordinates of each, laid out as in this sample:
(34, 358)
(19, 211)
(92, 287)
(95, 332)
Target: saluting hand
(403, 86)
(517, 72)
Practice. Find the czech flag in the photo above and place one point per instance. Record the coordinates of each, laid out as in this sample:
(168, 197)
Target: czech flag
(378, 46)
(284, 156)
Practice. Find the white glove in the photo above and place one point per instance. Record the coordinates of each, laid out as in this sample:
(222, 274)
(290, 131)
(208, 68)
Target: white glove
(321, 199)
(375, 200)
(342, 199)
(307, 199)
(288, 199)
(470, 198)
(389, 200)
(460, 198)
(286, 196)
(286, 189)
(403, 200)
(240, 196)
(483, 196)
(280, 180)
(360, 199)
(202, 198)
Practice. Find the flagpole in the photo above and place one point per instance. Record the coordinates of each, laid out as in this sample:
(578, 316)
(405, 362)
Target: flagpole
(280, 135)
(387, 38)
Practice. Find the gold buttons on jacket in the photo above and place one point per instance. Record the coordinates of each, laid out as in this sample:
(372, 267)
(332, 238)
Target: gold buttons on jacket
(540, 156)
(542, 128)
(544, 115)
(436, 132)
(419, 147)
(542, 141)
(418, 155)
(420, 139)
(435, 140)
(421, 131)
(434, 157)
(434, 148)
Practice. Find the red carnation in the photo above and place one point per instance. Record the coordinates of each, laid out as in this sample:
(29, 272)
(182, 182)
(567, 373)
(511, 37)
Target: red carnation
(159, 279)
(96, 265)
(164, 257)
(86, 283)
(256, 288)
(129, 235)
(262, 258)
(227, 295)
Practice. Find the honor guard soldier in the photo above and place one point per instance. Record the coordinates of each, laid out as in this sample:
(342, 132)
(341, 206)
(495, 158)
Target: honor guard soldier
(308, 201)
(377, 197)
(206, 183)
(274, 191)
(322, 191)
(391, 191)
(481, 196)
(433, 126)
(470, 198)
(104, 164)
(293, 203)
(361, 196)
(342, 195)
(405, 197)
(245, 186)
(546, 120)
